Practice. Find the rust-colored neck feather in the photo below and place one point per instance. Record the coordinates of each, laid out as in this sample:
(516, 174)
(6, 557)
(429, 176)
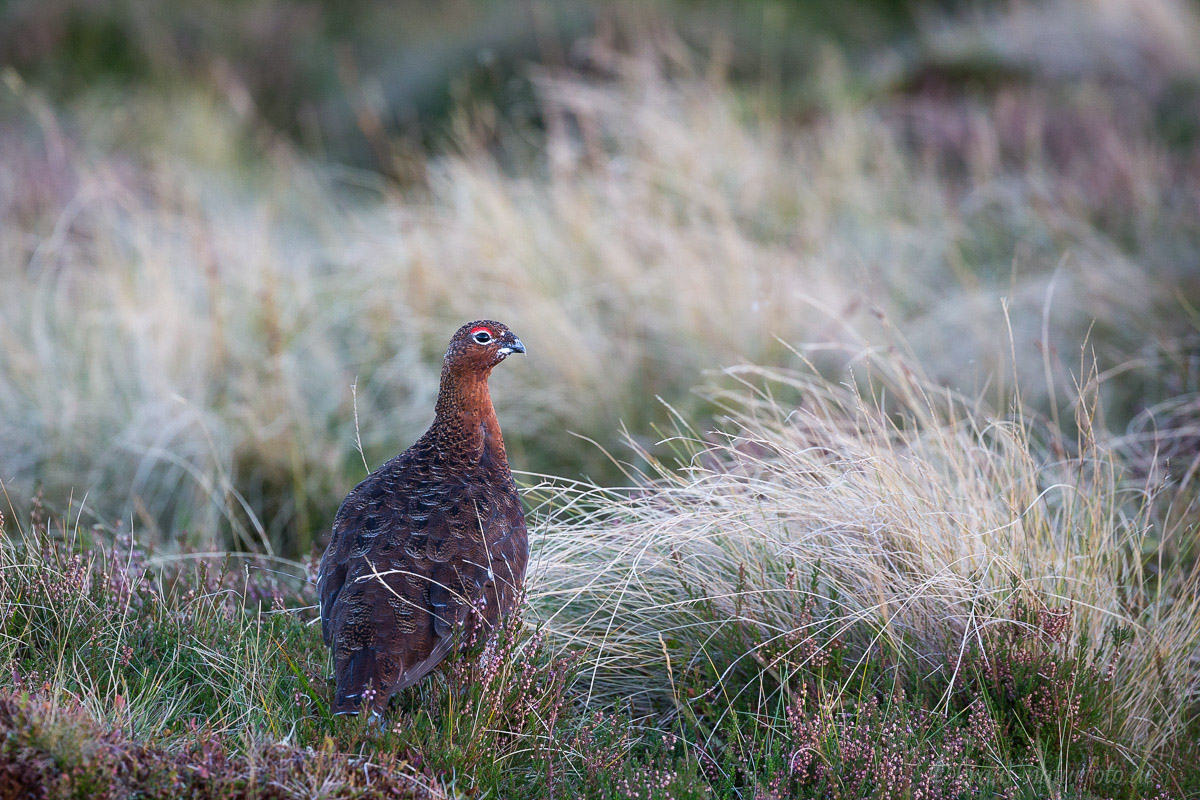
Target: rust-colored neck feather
(465, 417)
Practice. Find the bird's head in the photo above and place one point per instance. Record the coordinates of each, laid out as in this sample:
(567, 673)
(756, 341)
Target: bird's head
(478, 346)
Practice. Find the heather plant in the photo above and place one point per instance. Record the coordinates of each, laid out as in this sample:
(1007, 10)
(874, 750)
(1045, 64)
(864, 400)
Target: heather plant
(1048, 688)
(877, 749)
(820, 720)
(56, 748)
(124, 631)
(819, 723)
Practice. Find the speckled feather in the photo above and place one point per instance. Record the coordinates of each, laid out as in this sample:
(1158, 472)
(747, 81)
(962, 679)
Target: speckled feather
(432, 546)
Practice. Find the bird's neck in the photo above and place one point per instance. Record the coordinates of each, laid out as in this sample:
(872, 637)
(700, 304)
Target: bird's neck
(465, 416)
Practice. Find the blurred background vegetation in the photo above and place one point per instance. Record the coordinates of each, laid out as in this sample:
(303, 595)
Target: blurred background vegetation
(216, 218)
(308, 70)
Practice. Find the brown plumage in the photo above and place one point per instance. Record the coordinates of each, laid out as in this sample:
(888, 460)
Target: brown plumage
(431, 548)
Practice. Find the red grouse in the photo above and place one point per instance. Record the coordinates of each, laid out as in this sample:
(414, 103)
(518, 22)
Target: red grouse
(431, 548)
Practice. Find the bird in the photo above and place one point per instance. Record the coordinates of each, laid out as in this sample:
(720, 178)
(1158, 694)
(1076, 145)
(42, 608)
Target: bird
(429, 550)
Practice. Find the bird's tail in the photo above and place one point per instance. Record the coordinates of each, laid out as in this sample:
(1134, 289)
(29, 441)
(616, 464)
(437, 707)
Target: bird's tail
(359, 683)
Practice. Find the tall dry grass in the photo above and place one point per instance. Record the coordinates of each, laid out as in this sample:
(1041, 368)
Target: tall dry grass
(927, 520)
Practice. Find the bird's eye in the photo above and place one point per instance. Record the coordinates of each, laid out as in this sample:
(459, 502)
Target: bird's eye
(482, 337)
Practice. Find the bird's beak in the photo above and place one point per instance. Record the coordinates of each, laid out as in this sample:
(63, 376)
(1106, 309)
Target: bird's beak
(512, 346)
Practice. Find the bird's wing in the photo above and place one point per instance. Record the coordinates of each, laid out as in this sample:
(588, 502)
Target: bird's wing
(478, 564)
(458, 549)
(363, 515)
